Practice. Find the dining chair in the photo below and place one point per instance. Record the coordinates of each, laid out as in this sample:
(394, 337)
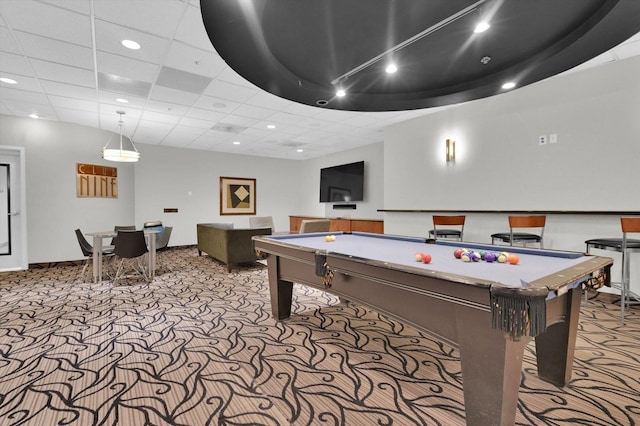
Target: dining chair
(262, 222)
(531, 223)
(87, 252)
(315, 225)
(450, 221)
(130, 247)
(121, 228)
(162, 245)
(625, 246)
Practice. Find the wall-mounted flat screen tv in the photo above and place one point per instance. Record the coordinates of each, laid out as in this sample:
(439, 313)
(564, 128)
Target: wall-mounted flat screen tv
(342, 183)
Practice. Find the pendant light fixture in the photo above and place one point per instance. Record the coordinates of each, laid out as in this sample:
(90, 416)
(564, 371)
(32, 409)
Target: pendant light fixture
(120, 154)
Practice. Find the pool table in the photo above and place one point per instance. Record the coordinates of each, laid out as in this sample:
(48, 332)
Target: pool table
(489, 311)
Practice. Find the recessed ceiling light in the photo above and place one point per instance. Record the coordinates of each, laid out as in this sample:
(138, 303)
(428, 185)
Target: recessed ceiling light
(236, 143)
(130, 44)
(481, 27)
(271, 126)
(34, 115)
(8, 80)
(391, 68)
(122, 101)
(340, 93)
(299, 150)
(509, 85)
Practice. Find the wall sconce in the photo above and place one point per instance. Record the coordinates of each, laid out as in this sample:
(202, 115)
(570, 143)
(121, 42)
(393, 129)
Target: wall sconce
(451, 151)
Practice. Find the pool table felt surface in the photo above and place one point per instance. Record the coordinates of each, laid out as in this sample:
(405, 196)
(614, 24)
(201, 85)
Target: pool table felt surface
(400, 252)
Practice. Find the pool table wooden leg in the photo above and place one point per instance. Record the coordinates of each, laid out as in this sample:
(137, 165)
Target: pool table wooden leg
(280, 291)
(555, 347)
(491, 369)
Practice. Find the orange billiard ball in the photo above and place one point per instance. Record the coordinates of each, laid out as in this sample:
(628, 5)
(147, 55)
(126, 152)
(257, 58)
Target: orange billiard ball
(513, 259)
(426, 258)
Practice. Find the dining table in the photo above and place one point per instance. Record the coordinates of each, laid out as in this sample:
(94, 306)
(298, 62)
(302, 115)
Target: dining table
(99, 236)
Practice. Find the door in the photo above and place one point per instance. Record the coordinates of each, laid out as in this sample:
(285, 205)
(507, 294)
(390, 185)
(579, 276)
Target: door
(13, 232)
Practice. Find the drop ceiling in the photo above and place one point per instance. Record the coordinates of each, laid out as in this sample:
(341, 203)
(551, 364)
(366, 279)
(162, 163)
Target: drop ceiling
(70, 66)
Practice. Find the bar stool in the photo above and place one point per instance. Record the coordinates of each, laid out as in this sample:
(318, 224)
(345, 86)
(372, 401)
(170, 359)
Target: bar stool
(626, 246)
(523, 238)
(456, 233)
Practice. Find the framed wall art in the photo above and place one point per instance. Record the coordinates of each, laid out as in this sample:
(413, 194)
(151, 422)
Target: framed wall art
(237, 196)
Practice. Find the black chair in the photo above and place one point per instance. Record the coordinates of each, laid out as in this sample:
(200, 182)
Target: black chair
(87, 252)
(162, 245)
(626, 246)
(451, 221)
(524, 238)
(132, 247)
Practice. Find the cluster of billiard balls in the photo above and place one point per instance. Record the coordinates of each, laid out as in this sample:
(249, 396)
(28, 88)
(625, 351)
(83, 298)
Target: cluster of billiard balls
(330, 238)
(467, 255)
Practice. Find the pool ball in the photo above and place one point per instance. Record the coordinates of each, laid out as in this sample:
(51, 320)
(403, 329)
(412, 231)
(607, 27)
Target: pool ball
(333, 237)
(457, 253)
(329, 238)
(475, 256)
(513, 259)
(502, 258)
(466, 257)
(490, 257)
(426, 257)
(418, 257)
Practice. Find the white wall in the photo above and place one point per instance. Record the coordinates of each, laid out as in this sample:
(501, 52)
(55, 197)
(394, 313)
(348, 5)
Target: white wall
(189, 180)
(595, 166)
(164, 178)
(53, 211)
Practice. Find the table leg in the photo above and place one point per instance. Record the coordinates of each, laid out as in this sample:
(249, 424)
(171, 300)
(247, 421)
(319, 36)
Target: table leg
(97, 259)
(491, 369)
(555, 347)
(281, 291)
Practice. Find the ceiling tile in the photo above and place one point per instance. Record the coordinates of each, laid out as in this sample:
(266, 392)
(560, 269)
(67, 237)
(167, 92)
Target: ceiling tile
(55, 51)
(182, 80)
(52, 22)
(109, 37)
(68, 90)
(15, 64)
(193, 60)
(52, 71)
(116, 83)
(109, 63)
(150, 16)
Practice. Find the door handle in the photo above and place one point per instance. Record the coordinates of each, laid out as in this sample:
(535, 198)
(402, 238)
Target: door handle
(14, 213)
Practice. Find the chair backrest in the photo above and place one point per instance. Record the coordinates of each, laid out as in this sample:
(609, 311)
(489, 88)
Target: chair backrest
(87, 249)
(130, 244)
(448, 220)
(121, 228)
(630, 224)
(163, 238)
(315, 225)
(262, 222)
(527, 221)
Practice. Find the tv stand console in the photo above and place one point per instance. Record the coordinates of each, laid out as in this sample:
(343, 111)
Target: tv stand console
(375, 226)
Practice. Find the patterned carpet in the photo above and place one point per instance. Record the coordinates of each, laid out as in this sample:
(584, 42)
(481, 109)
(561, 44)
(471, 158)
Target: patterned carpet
(198, 346)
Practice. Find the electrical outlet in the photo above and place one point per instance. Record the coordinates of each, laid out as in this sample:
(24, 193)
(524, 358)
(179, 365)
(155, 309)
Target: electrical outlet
(542, 140)
(553, 138)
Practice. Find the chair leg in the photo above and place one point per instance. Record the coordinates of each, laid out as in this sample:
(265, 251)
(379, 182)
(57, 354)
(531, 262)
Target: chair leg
(624, 285)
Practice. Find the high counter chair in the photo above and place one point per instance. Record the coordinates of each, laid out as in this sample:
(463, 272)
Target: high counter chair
(626, 246)
(524, 238)
(456, 221)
